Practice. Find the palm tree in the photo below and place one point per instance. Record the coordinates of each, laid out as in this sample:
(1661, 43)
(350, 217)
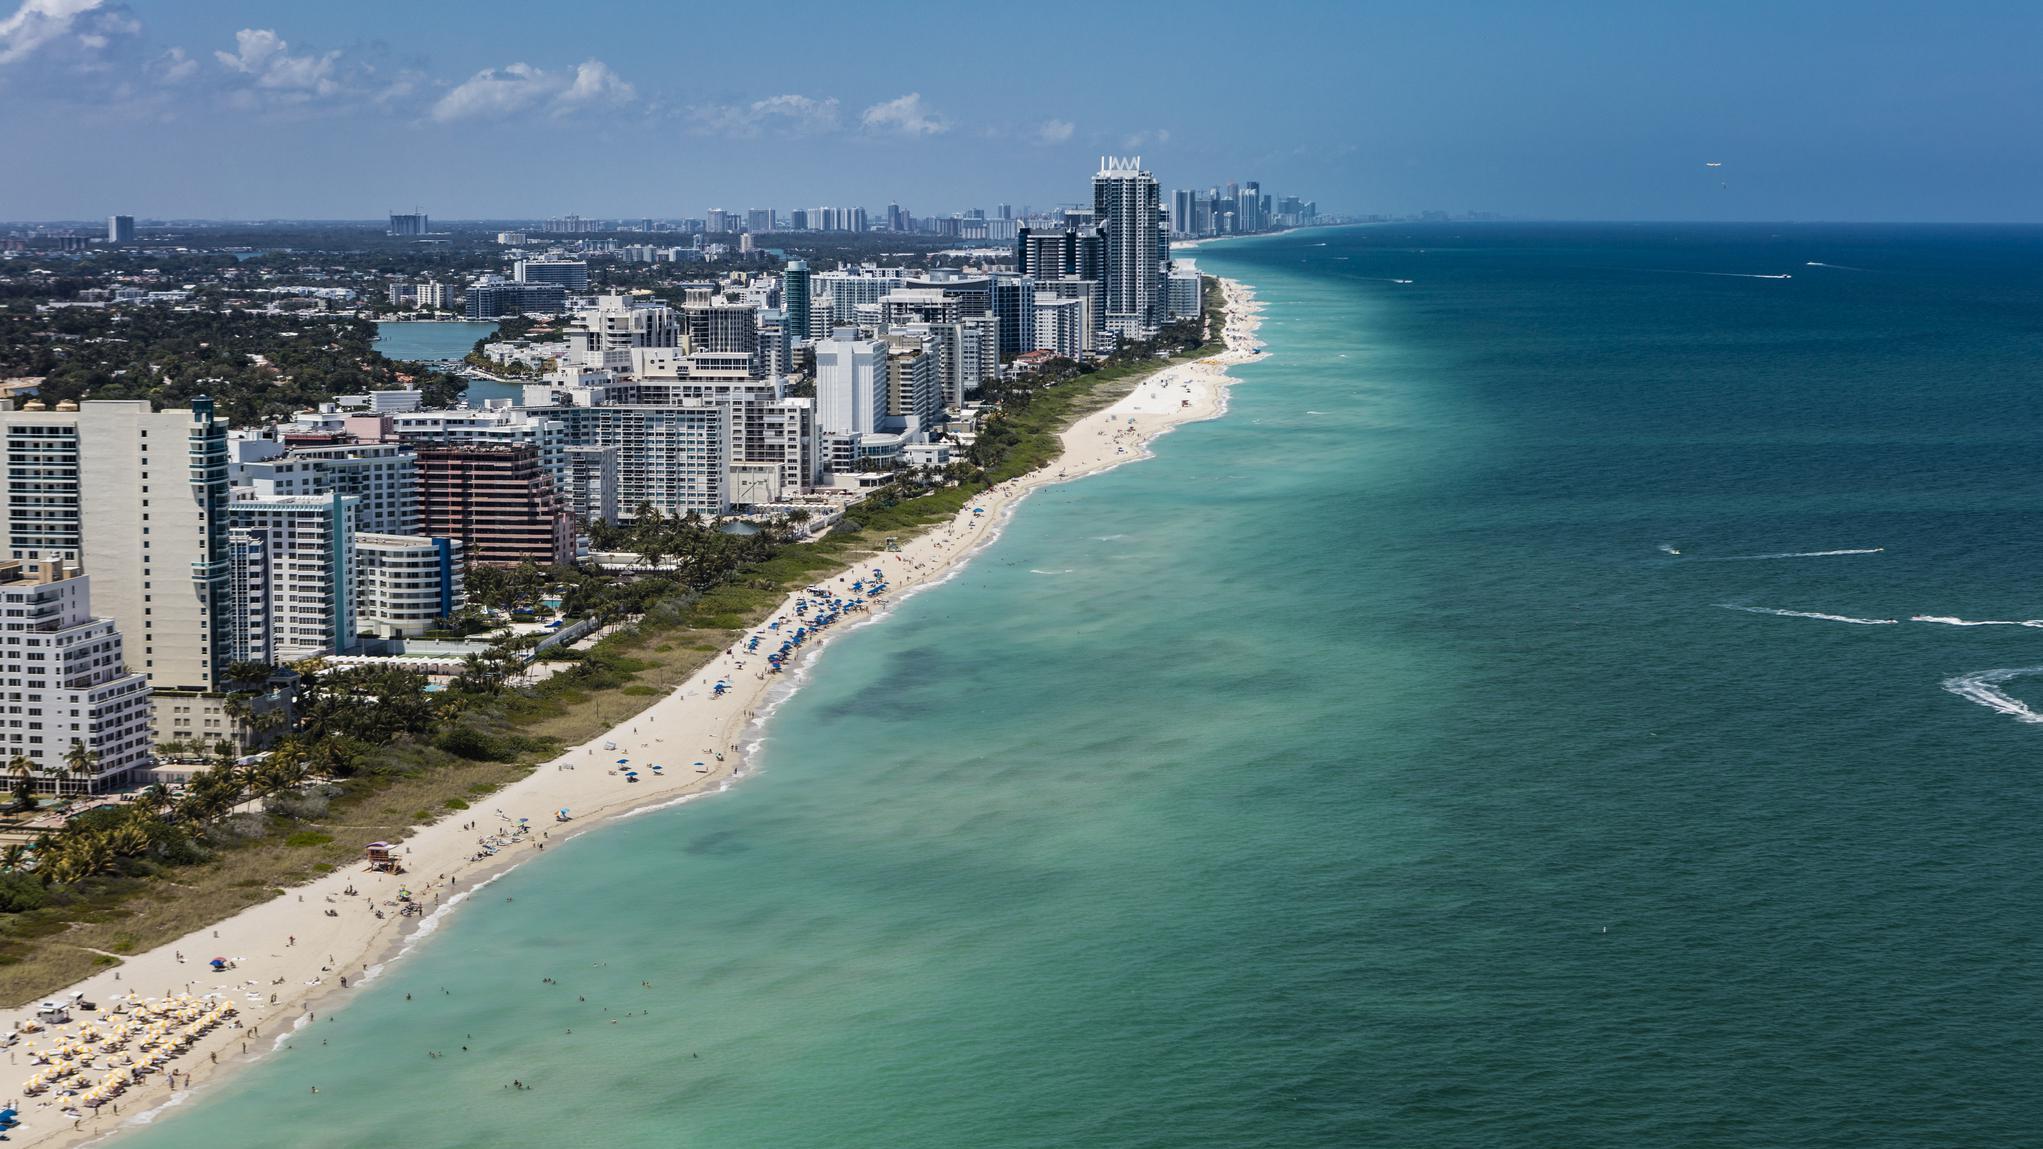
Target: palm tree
(13, 856)
(22, 768)
(79, 762)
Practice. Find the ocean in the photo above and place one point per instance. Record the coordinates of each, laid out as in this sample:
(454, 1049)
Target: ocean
(1508, 725)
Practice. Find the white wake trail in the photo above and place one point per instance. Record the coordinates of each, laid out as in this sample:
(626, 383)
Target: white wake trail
(1788, 555)
(1984, 689)
(1812, 614)
(1949, 620)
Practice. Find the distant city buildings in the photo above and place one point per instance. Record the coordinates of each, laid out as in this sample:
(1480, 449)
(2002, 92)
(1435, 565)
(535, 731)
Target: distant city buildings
(120, 229)
(410, 224)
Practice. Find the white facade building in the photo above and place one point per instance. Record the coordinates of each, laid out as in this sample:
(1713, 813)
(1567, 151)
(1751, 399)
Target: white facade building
(64, 676)
(404, 584)
(310, 541)
(851, 384)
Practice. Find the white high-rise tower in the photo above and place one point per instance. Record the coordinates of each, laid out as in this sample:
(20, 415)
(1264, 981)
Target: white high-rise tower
(1126, 205)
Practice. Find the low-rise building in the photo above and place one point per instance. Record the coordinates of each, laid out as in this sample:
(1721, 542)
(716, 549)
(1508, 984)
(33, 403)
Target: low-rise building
(404, 584)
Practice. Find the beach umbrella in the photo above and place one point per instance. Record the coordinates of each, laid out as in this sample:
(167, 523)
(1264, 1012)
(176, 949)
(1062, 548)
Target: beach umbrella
(623, 761)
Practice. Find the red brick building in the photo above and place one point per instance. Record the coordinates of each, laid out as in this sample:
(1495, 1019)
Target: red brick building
(498, 500)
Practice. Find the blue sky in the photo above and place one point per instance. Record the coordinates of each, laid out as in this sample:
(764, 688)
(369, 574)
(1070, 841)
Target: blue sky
(1866, 111)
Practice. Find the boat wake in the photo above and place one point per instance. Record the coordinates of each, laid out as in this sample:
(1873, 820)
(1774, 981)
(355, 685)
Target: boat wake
(1947, 620)
(1984, 689)
(1811, 614)
(1725, 274)
(1788, 555)
(1832, 266)
(1040, 571)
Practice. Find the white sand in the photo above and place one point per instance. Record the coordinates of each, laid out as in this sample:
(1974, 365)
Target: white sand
(440, 861)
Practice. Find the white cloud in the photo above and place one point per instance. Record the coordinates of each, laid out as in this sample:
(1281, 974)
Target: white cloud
(1054, 131)
(265, 57)
(521, 87)
(1135, 140)
(39, 22)
(595, 83)
(791, 114)
(174, 67)
(904, 116)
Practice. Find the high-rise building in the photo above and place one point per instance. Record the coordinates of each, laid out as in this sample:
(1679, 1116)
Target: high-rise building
(409, 224)
(794, 295)
(592, 484)
(1186, 292)
(572, 274)
(139, 498)
(499, 501)
(383, 476)
(1125, 204)
(120, 229)
(70, 669)
(492, 298)
(759, 220)
(851, 384)
(1181, 212)
(311, 592)
(1012, 300)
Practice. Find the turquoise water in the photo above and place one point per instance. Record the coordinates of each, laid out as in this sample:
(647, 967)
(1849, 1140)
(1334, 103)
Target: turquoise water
(432, 341)
(1363, 770)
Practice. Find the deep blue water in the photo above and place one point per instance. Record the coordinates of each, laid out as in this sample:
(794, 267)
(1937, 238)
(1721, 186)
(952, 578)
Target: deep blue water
(1367, 769)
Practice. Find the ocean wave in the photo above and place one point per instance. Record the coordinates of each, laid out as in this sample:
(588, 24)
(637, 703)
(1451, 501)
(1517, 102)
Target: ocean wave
(1041, 571)
(1984, 689)
(1811, 614)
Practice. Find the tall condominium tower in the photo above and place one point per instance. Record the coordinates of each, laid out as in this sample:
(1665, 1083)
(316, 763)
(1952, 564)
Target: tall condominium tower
(1126, 205)
(794, 296)
(139, 499)
(120, 229)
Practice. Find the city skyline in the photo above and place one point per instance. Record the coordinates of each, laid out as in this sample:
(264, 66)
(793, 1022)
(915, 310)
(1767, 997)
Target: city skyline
(234, 110)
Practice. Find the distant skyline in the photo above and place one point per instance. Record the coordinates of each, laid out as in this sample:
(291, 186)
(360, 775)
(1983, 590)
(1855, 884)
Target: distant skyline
(230, 109)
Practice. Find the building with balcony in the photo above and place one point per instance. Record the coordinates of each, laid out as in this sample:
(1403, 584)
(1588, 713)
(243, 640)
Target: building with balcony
(64, 678)
(499, 501)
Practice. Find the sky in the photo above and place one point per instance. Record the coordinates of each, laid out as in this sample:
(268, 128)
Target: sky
(230, 109)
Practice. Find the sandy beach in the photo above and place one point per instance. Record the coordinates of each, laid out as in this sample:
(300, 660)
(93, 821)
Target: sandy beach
(299, 955)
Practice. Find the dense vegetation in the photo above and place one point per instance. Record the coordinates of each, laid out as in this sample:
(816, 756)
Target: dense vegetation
(256, 366)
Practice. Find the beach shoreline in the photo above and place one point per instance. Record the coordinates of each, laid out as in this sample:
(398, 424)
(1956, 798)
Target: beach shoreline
(293, 957)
